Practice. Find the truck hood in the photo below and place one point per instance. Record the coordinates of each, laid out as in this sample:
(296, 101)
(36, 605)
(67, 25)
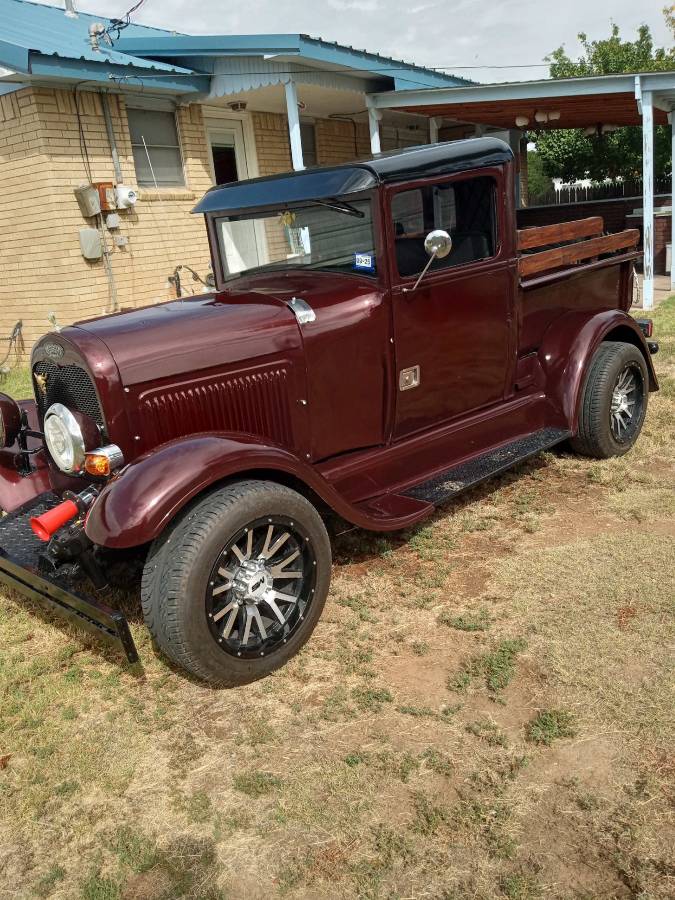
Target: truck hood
(197, 333)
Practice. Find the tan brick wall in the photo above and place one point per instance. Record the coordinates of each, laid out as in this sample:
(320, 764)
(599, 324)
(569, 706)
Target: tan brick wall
(27, 214)
(272, 144)
(40, 165)
(338, 141)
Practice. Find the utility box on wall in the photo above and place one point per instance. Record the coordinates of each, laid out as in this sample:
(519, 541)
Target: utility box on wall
(106, 195)
(88, 199)
(90, 243)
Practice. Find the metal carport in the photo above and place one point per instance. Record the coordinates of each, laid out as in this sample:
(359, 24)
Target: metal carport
(644, 99)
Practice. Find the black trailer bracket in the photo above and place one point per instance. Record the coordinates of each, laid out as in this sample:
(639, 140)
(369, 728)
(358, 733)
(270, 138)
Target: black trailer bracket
(19, 570)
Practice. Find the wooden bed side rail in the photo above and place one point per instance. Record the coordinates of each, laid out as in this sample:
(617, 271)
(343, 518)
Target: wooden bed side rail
(533, 263)
(545, 235)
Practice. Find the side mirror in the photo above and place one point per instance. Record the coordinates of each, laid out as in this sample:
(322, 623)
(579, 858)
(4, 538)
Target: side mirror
(438, 244)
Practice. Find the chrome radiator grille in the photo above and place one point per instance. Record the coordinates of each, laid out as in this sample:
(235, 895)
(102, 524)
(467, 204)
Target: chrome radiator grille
(69, 385)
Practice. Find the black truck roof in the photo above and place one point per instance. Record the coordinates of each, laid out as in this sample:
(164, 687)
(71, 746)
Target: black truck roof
(351, 178)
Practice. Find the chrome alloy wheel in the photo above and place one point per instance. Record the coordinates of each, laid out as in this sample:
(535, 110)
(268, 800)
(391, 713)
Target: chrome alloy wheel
(626, 403)
(260, 587)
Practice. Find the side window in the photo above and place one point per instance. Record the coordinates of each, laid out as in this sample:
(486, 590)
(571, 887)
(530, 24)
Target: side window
(308, 141)
(465, 209)
(156, 149)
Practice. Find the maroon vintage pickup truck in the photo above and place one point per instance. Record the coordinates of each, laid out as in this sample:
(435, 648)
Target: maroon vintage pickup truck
(381, 337)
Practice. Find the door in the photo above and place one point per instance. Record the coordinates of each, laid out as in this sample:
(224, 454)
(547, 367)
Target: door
(243, 243)
(452, 333)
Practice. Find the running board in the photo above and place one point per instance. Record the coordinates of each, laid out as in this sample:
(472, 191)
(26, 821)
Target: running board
(456, 480)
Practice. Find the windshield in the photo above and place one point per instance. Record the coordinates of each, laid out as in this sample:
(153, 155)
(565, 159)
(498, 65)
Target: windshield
(333, 234)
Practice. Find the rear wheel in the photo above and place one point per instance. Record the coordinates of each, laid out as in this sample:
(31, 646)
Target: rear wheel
(235, 588)
(613, 403)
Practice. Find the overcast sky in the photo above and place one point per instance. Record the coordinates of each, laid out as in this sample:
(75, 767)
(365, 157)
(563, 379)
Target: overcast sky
(451, 34)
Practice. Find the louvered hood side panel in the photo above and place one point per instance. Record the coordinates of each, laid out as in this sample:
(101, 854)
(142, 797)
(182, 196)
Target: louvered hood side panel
(256, 402)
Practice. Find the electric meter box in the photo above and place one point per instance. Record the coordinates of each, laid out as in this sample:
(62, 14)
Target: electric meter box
(88, 198)
(106, 195)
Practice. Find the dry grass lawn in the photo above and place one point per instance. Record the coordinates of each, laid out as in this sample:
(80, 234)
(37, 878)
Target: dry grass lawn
(485, 710)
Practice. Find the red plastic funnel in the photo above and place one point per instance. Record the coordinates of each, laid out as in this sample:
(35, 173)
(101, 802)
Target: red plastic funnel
(45, 525)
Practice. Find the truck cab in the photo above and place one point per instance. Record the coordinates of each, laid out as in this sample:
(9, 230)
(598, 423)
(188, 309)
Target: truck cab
(381, 337)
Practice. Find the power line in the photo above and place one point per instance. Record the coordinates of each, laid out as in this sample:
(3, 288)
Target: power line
(118, 25)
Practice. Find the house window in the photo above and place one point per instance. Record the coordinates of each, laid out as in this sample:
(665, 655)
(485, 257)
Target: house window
(154, 142)
(308, 141)
(465, 209)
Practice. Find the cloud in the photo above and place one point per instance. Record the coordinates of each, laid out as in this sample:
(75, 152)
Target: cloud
(360, 6)
(514, 33)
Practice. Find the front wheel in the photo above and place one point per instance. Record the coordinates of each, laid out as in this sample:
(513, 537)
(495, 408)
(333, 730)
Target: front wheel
(236, 586)
(613, 403)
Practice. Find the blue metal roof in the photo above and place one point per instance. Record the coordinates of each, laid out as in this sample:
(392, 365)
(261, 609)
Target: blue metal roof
(34, 38)
(41, 40)
(298, 46)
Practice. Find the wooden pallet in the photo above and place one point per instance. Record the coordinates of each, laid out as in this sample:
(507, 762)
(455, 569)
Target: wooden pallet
(569, 243)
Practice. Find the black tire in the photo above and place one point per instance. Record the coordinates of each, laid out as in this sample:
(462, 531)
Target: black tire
(600, 433)
(178, 594)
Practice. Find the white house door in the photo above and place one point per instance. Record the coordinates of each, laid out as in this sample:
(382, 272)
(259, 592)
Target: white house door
(227, 154)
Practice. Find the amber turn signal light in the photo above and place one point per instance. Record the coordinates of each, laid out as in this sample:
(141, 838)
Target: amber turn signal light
(102, 462)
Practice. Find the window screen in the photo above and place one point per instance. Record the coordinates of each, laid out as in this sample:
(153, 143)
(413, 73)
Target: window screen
(465, 209)
(154, 142)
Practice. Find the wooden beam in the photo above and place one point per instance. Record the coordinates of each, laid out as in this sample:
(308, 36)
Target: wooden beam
(545, 235)
(573, 253)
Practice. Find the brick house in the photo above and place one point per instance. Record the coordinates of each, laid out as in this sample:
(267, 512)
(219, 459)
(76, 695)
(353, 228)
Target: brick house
(166, 115)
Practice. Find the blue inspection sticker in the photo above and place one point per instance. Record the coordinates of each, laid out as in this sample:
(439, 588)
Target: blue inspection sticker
(364, 262)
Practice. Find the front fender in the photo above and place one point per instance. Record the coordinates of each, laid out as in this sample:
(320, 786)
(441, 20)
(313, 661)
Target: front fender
(568, 347)
(136, 507)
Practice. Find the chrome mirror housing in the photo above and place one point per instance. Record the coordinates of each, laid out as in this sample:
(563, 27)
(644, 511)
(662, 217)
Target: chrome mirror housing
(438, 243)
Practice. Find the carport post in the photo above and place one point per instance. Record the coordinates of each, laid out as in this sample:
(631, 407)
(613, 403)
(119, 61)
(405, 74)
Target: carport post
(671, 119)
(294, 125)
(374, 116)
(648, 198)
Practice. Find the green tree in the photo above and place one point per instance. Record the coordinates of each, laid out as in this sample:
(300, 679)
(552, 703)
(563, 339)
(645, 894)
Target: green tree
(571, 154)
(538, 184)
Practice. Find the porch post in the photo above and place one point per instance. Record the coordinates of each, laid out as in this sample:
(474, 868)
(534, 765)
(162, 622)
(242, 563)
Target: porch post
(294, 125)
(374, 116)
(671, 116)
(434, 125)
(648, 198)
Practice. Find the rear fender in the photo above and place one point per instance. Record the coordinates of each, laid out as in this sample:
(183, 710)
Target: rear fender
(568, 347)
(136, 507)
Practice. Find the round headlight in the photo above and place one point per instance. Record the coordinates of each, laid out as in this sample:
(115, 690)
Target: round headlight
(10, 420)
(64, 438)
